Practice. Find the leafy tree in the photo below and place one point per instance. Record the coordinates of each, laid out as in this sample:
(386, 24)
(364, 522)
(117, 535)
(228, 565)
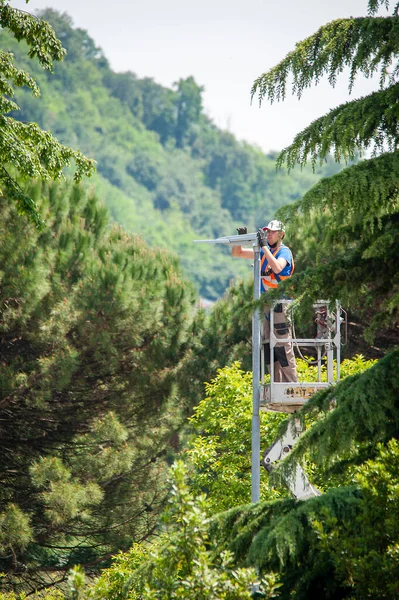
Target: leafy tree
(220, 448)
(126, 87)
(184, 563)
(159, 109)
(24, 146)
(365, 550)
(189, 109)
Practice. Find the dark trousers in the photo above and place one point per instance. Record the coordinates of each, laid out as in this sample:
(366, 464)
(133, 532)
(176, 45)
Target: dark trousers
(284, 358)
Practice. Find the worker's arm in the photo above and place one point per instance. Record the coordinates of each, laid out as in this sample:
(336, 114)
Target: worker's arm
(276, 264)
(241, 252)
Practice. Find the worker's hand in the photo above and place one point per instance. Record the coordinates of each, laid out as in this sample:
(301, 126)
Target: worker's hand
(242, 230)
(261, 235)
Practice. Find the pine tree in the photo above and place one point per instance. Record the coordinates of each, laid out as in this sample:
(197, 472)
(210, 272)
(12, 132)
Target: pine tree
(94, 326)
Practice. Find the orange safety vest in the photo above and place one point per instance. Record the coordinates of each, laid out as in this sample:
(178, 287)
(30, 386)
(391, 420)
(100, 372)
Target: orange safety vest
(268, 277)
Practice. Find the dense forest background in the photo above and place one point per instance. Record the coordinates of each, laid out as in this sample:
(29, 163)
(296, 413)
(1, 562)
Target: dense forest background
(164, 170)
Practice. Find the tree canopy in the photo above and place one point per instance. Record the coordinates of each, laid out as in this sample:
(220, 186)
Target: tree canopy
(94, 328)
(33, 152)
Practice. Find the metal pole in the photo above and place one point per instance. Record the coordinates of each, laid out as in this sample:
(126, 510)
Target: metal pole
(272, 342)
(338, 336)
(256, 382)
(318, 363)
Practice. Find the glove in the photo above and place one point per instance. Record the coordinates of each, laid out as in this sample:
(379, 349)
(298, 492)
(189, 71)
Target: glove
(261, 235)
(242, 230)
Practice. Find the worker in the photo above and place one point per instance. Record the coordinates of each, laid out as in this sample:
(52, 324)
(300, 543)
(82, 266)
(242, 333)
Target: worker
(277, 264)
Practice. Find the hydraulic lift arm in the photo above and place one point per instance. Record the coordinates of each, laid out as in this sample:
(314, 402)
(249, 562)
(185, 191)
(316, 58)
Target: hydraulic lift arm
(298, 483)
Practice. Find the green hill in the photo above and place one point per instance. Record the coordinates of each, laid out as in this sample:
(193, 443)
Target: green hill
(164, 170)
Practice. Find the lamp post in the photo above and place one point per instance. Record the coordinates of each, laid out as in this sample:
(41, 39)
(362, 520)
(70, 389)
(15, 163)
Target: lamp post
(255, 469)
(239, 240)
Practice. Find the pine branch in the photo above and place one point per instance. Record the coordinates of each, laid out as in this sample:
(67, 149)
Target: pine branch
(366, 412)
(365, 45)
(272, 535)
(370, 122)
(373, 6)
(363, 191)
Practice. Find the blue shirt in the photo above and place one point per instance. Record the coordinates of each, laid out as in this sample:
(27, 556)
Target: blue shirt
(272, 280)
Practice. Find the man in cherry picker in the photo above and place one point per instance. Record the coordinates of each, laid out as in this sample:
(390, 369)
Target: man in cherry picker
(277, 264)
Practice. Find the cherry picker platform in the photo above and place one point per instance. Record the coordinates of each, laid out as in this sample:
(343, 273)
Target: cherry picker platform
(290, 396)
(287, 397)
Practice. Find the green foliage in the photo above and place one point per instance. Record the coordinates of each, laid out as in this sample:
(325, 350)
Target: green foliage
(365, 413)
(76, 584)
(365, 44)
(94, 328)
(46, 595)
(64, 498)
(189, 109)
(24, 146)
(112, 581)
(220, 449)
(378, 131)
(365, 550)
(15, 530)
(184, 563)
(38, 34)
(367, 188)
(280, 537)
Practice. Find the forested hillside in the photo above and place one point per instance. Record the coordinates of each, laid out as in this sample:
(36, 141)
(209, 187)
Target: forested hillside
(164, 170)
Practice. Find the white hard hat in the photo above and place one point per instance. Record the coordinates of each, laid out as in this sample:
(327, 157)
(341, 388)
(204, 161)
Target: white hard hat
(275, 226)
